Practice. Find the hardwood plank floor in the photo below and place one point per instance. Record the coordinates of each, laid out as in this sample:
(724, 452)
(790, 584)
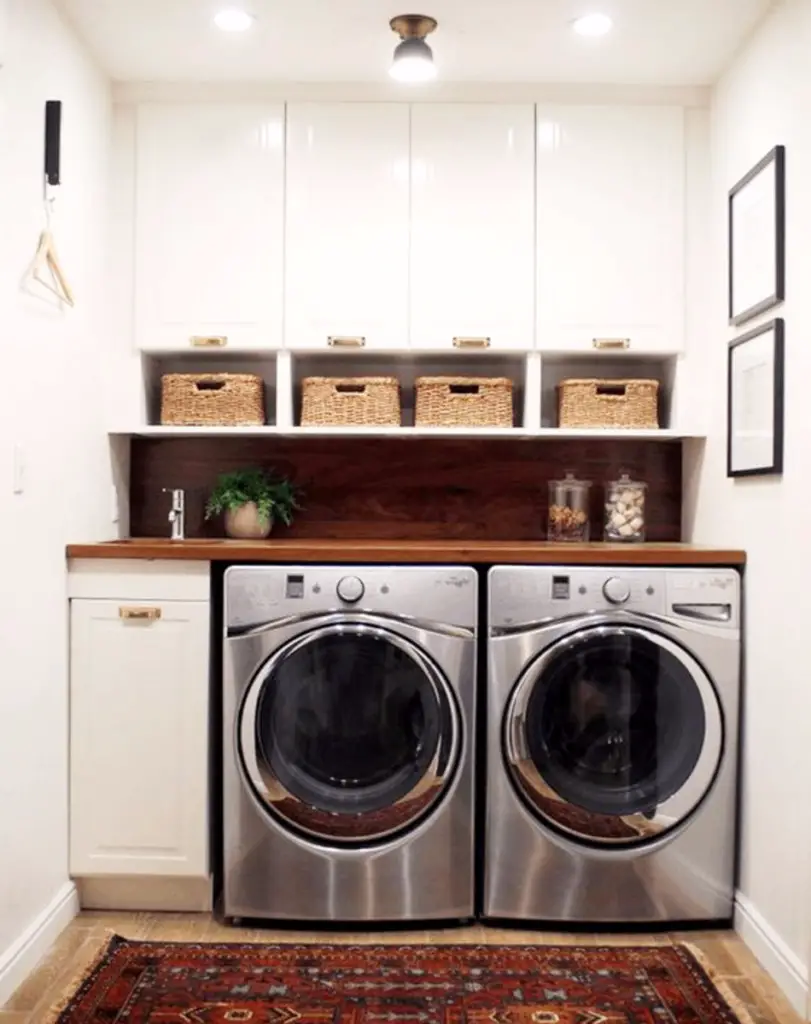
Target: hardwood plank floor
(79, 944)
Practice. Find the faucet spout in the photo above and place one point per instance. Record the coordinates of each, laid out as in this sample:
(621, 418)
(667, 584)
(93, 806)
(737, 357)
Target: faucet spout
(177, 513)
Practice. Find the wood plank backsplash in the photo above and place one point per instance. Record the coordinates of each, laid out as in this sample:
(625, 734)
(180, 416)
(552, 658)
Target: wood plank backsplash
(403, 489)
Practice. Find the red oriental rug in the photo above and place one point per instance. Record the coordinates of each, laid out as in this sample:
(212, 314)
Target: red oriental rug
(179, 983)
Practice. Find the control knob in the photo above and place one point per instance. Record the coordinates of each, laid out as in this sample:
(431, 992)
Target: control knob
(616, 591)
(351, 589)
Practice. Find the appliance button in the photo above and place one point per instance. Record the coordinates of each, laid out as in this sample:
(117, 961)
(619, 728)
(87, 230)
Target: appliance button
(351, 589)
(616, 591)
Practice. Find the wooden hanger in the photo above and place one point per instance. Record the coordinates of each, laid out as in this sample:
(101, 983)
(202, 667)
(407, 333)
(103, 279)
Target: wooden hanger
(46, 268)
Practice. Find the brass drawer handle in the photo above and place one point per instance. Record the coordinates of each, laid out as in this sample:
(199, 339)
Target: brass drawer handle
(140, 614)
(471, 343)
(611, 344)
(337, 342)
(208, 341)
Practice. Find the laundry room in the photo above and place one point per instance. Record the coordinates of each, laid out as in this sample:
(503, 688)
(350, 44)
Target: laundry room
(402, 511)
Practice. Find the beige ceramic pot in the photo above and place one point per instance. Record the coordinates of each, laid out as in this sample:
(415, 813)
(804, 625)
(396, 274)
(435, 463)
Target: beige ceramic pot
(244, 523)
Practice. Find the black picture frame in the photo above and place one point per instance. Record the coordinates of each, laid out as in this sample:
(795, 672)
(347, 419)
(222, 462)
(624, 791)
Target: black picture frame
(775, 464)
(776, 293)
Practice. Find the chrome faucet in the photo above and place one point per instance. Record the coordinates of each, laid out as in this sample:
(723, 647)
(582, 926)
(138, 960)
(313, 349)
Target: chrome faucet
(177, 513)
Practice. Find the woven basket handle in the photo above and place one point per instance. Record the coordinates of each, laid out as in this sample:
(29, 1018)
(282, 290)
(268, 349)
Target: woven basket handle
(464, 389)
(350, 389)
(611, 390)
(210, 385)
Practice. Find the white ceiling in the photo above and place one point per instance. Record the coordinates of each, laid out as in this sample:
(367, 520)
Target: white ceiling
(655, 42)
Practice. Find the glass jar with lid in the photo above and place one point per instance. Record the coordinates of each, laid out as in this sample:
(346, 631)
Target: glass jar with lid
(625, 509)
(569, 509)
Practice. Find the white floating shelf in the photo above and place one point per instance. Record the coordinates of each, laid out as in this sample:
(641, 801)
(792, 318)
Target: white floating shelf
(548, 433)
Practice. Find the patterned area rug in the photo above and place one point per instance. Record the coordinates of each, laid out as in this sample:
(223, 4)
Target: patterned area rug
(179, 983)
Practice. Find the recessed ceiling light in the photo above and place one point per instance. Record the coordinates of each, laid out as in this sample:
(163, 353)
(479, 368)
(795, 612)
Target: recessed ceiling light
(593, 25)
(233, 19)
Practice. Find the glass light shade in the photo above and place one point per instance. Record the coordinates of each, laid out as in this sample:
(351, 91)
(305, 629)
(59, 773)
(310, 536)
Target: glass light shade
(413, 62)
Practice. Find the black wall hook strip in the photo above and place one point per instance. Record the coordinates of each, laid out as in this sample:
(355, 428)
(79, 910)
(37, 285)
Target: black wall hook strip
(53, 141)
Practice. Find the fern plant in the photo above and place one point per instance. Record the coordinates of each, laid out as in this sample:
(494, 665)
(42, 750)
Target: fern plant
(275, 497)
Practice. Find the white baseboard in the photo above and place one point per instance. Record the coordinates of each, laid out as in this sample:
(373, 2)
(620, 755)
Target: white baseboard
(787, 969)
(20, 959)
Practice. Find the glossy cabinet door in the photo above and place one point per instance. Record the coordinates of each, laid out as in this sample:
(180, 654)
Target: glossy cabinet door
(347, 225)
(473, 226)
(209, 225)
(611, 228)
(139, 738)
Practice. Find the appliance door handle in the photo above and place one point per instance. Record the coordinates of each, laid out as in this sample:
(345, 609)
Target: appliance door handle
(704, 612)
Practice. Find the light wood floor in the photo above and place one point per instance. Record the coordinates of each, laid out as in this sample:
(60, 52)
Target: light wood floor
(80, 943)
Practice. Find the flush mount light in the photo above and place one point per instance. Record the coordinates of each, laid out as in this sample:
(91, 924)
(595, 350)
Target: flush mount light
(413, 58)
(593, 25)
(233, 19)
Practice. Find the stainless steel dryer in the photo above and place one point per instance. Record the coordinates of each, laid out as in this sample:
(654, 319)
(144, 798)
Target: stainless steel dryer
(612, 745)
(348, 751)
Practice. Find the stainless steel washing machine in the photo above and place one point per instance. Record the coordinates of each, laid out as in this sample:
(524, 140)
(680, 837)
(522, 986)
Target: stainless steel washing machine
(349, 702)
(613, 721)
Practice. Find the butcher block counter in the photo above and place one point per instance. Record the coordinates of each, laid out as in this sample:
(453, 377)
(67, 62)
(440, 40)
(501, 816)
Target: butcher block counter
(411, 551)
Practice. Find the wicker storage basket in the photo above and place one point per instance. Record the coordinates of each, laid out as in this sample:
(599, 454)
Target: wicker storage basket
(350, 402)
(212, 400)
(464, 402)
(609, 403)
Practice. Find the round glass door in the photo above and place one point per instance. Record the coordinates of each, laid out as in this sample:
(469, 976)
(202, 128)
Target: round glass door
(349, 733)
(614, 735)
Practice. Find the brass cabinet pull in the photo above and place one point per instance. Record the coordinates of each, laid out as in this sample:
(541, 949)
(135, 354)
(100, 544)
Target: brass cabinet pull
(208, 341)
(140, 614)
(611, 344)
(337, 342)
(471, 343)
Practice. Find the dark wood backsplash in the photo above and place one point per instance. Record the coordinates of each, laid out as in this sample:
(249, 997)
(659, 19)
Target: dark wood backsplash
(406, 489)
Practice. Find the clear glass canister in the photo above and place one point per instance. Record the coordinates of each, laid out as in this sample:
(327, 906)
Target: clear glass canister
(625, 509)
(569, 509)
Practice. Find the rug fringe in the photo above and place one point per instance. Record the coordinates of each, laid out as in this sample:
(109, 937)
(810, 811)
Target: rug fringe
(735, 1004)
(100, 946)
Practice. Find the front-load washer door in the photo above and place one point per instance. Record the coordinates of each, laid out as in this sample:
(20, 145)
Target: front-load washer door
(613, 736)
(349, 734)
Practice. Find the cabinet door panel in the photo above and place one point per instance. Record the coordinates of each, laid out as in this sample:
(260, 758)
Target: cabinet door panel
(139, 739)
(611, 227)
(473, 228)
(347, 224)
(210, 224)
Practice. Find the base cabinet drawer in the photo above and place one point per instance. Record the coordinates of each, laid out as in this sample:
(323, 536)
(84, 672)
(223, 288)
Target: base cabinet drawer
(139, 696)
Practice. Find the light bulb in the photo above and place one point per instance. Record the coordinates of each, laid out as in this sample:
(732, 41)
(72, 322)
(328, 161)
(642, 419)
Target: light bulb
(413, 62)
(593, 25)
(233, 19)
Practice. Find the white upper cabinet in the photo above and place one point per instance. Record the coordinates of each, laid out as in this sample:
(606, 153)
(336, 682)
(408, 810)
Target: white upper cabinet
(473, 226)
(210, 225)
(347, 225)
(611, 228)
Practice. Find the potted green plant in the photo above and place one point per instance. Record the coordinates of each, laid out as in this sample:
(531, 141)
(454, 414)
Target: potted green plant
(252, 500)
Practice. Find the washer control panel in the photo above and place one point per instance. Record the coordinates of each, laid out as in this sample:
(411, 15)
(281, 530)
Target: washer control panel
(256, 595)
(533, 595)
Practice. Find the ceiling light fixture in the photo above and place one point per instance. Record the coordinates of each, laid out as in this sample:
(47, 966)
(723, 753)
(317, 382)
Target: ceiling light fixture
(233, 19)
(413, 58)
(593, 25)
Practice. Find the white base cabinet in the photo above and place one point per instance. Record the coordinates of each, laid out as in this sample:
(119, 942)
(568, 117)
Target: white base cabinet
(139, 725)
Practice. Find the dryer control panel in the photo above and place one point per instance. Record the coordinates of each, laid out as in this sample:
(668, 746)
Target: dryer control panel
(529, 595)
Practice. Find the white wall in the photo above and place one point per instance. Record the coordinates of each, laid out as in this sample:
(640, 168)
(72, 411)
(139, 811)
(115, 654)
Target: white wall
(763, 100)
(51, 379)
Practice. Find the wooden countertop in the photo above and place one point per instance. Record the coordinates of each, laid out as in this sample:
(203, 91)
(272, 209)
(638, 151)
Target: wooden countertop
(411, 551)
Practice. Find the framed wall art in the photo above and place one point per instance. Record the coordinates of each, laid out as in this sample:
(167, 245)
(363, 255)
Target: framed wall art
(757, 239)
(755, 401)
